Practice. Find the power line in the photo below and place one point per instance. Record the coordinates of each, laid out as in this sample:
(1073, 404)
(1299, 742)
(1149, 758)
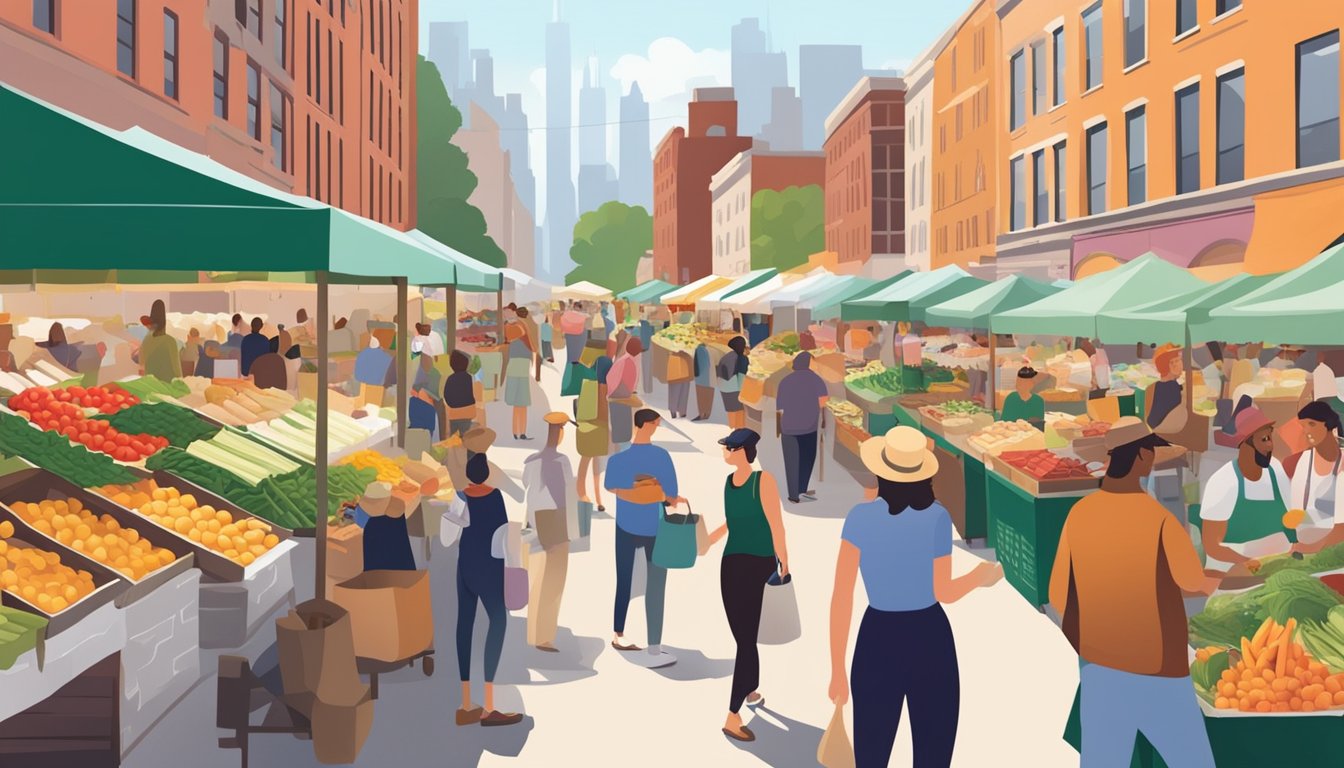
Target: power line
(592, 125)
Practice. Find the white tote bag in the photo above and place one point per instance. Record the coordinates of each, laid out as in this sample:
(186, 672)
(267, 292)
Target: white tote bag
(780, 622)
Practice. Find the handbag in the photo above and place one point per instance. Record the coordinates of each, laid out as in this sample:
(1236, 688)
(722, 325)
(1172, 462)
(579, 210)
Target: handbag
(515, 588)
(585, 518)
(835, 749)
(675, 546)
(552, 527)
(780, 622)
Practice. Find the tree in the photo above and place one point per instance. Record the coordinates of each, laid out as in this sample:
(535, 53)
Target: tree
(443, 179)
(787, 226)
(608, 244)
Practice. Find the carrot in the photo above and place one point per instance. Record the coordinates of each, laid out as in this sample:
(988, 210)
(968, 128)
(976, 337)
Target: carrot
(1247, 656)
(1258, 641)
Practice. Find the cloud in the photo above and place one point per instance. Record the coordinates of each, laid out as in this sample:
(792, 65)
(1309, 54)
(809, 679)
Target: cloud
(671, 68)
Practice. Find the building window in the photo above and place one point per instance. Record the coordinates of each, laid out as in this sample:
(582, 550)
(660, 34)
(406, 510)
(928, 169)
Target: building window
(279, 147)
(1096, 169)
(1018, 204)
(253, 101)
(1136, 154)
(170, 54)
(1232, 127)
(1187, 15)
(1224, 6)
(1136, 31)
(1187, 139)
(1017, 67)
(953, 62)
(1061, 176)
(126, 37)
(281, 36)
(248, 13)
(1037, 78)
(1061, 61)
(1318, 100)
(1040, 193)
(1092, 47)
(44, 15)
(221, 76)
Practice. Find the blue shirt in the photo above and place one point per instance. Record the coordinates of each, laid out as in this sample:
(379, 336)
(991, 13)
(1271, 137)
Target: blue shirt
(704, 372)
(546, 333)
(623, 468)
(896, 552)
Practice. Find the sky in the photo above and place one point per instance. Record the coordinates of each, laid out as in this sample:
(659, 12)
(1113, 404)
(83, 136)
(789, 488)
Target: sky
(668, 45)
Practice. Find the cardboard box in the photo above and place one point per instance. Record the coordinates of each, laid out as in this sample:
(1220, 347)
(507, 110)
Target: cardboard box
(340, 730)
(390, 612)
(317, 653)
(345, 552)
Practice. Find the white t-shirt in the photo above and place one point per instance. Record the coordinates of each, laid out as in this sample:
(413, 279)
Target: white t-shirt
(1101, 369)
(1220, 493)
(1321, 513)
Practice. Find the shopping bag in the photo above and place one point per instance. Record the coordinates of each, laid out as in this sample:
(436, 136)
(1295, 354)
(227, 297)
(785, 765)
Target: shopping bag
(835, 749)
(780, 622)
(515, 588)
(585, 518)
(588, 397)
(701, 537)
(674, 545)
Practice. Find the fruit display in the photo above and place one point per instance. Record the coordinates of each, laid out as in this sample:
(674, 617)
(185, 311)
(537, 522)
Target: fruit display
(64, 411)
(19, 633)
(178, 426)
(38, 576)
(296, 431)
(56, 454)
(388, 470)
(764, 363)
(249, 460)
(109, 399)
(1048, 465)
(241, 540)
(1272, 673)
(100, 538)
(1008, 436)
(846, 412)
(685, 337)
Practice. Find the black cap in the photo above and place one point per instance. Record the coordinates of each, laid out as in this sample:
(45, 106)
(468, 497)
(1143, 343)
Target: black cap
(1026, 372)
(740, 438)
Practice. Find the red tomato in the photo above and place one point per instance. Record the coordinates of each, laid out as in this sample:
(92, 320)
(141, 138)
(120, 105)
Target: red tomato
(121, 439)
(96, 441)
(77, 391)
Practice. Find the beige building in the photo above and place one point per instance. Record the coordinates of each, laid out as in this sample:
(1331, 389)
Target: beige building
(506, 218)
(919, 154)
(730, 192)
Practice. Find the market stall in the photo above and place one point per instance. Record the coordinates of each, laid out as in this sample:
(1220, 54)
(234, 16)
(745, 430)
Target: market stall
(580, 291)
(784, 303)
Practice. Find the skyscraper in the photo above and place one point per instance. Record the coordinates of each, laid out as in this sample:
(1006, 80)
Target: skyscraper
(513, 137)
(784, 132)
(560, 214)
(826, 73)
(636, 154)
(449, 51)
(597, 180)
(756, 72)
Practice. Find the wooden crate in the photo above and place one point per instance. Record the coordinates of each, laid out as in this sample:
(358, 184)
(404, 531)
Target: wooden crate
(1037, 487)
(78, 726)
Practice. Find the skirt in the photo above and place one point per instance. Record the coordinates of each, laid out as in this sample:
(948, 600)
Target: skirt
(593, 440)
(732, 401)
(518, 383)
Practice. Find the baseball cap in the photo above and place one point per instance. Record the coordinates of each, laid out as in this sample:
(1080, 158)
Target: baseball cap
(740, 438)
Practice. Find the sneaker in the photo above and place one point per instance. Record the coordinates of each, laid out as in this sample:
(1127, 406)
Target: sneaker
(795, 500)
(656, 658)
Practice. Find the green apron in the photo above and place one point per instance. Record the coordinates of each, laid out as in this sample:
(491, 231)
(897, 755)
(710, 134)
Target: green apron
(1015, 408)
(1254, 520)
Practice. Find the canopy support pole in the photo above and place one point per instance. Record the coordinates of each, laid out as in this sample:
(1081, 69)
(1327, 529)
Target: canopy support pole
(992, 396)
(1188, 361)
(450, 303)
(403, 360)
(320, 449)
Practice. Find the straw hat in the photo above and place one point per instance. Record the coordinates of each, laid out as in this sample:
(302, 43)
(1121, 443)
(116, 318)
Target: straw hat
(478, 439)
(901, 456)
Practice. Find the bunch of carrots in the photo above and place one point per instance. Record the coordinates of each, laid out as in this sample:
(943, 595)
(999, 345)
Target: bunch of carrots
(1276, 674)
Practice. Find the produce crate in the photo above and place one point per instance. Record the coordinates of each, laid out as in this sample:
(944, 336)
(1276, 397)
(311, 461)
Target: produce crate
(1037, 487)
(849, 438)
(35, 485)
(1025, 531)
(108, 584)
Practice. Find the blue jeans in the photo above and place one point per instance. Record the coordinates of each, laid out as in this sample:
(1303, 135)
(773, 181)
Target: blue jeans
(1118, 706)
(800, 454)
(626, 545)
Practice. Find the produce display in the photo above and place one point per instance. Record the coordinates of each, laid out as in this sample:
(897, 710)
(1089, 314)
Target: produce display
(388, 470)
(871, 368)
(56, 454)
(19, 632)
(296, 431)
(100, 538)
(38, 576)
(247, 459)
(1048, 465)
(784, 343)
(241, 540)
(178, 425)
(764, 363)
(43, 373)
(235, 402)
(109, 399)
(685, 337)
(846, 412)
(882, 381)
(1272, 673)
(1328, 559)
(64, 411)
(1227, 618)
(1008, 436)
(152, 388)
(478, 339)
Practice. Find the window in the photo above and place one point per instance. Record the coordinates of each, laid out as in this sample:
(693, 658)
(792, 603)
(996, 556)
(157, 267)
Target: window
(281, 38)
(248, 13)
(221, 76)
(44, 15)
(1092, 47)
(1187, 139)
(1061, 60)
(1136, 31)
(1018, 204)
(1224, 6)
(1061, 175)
(126, 37)
(169, 54)
(1037, 78)
(1096, 169)
(1040, 193)
(1232, 127)
(279, 110)
(1136, 155)
(1017, 67)
(1187, 15)
(954, 69)
(253, 101)
(1318, 100)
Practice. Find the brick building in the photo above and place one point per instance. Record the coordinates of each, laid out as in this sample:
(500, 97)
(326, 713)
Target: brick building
(865, 175)
(735, 185)
(315, 98)
(684, 163)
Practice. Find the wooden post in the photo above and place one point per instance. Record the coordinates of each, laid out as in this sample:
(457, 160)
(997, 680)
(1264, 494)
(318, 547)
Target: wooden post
(320, 449)
(992, 398)
(403, 359)
(450, 302)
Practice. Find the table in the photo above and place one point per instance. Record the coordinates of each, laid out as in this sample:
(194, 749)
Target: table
(962, 480)
(1024, 531)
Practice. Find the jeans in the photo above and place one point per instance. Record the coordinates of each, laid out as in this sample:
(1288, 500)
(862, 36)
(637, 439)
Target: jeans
(574, 347)
(654, 589)
(460, 426)
(646, 371)
(1117, 706)
(742, 583)
(800, 454)
(488, 588)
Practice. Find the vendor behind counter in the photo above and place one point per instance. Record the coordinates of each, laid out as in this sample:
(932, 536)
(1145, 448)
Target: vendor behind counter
(1023, 403)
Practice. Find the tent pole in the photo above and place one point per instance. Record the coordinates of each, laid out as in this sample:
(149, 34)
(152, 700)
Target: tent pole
(403, 358)
(992, 397)
(320, 449)
(450, 302)
(1188, 360)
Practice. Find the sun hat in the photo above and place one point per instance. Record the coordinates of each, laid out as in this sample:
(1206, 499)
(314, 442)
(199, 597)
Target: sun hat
(901, 456)
(1250, 421)
(1126, 430)
(478, 439)
(557, 418)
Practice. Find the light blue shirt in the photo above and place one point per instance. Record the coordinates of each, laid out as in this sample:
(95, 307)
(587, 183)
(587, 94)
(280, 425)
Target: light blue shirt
(623, 468)
(896, 552)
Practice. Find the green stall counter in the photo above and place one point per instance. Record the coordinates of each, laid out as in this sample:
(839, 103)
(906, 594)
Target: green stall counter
(1024, 531)
(966, 502)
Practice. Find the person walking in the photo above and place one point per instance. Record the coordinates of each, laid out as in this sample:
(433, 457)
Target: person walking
(732, 372)
(643, 479)
(459, 394)
(901, 544)
(574, 327)
(533, 337)
(646, 363)
(160, 355)
(622, 381)
(594, 430)
(703, 373)
(800, 402)
(480, 578)
(756, 549)
(1122, 563)
(547, 333)
(553, 515)
(517, 384)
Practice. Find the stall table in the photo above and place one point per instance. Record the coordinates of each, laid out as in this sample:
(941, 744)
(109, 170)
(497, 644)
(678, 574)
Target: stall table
(1024, 531)
(964, 477)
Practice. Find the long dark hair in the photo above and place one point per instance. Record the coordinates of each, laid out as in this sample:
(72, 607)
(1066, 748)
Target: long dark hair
(903, 496)
(739, 345)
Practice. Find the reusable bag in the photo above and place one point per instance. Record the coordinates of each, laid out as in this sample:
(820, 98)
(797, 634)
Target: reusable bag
(835, 749)
(585, 518)
(780, 622)
(675, 545)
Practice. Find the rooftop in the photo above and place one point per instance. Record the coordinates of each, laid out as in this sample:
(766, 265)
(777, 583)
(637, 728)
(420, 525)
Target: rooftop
(865, 86)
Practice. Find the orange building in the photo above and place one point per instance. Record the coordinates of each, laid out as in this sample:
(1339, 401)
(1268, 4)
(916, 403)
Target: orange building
(865, 176)
(270, 88)
(965, 142)
(1206, 131)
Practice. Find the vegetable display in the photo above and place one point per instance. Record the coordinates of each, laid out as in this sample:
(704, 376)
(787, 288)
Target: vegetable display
(846, 412)
(38, 576)
(64, 412)
(236, 402)
(150, 388)
(873, 367)
(388, 470)
(296, 431)
(1325, 639)
(1290, 594)
(179, 425)
(785, 343)
(1275, 674)
(1008, 436)
(19, 632)
(240, 540)
(1328, 559)
(56, 454)
(1048, 465)
(247, 459)
(889, 382)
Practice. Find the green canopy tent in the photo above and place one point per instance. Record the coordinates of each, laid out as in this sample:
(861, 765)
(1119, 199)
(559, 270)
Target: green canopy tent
(647, 293)
(1166, 320)
(906, 300)
(829, 306)
(787, 304)
(973, 309)
(1300, 306)
(714, 300)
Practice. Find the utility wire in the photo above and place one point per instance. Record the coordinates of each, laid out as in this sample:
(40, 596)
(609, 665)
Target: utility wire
(591, 125)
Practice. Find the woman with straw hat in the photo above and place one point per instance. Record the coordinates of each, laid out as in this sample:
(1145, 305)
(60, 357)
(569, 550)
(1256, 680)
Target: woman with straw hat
(901, 543)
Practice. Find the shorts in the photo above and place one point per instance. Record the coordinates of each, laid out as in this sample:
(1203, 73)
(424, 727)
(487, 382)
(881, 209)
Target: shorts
(732, 401)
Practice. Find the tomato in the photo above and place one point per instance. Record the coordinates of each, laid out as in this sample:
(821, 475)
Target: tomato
(63, 396)
(126, 454)
(122, 439)
(96, 441)
(64, 421)
(77, 391)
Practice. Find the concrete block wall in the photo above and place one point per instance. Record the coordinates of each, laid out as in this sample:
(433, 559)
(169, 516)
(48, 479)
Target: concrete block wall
(161, 660)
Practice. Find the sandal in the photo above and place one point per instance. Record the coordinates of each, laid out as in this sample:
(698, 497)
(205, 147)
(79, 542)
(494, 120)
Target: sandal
(469, 716)
(745, 736)
(758, 701)
(501, 718)
(620, 647)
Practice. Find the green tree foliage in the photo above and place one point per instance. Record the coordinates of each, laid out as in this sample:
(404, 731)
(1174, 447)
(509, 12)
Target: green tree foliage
(787, 226)
(443, 180)
(608, 244)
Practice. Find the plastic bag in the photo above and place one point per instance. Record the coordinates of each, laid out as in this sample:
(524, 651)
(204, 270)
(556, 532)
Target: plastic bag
(835, 750)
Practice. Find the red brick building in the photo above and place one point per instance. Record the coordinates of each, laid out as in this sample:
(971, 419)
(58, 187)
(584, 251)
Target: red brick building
(683, 165)
(735, 185)
(315, 98)
(865, 173)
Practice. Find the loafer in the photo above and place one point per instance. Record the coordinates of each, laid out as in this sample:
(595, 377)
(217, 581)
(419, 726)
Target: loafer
(495, 719)
(469, 716)
(745, 736)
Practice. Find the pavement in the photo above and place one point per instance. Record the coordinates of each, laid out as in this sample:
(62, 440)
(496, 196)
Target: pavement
(590, 704)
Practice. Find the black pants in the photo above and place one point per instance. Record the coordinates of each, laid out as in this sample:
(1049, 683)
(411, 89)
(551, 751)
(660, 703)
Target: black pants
(899, 657)
(742, 581)
(800, 454)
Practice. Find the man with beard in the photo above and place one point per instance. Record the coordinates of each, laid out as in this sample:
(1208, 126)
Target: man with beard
(1244, 501)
